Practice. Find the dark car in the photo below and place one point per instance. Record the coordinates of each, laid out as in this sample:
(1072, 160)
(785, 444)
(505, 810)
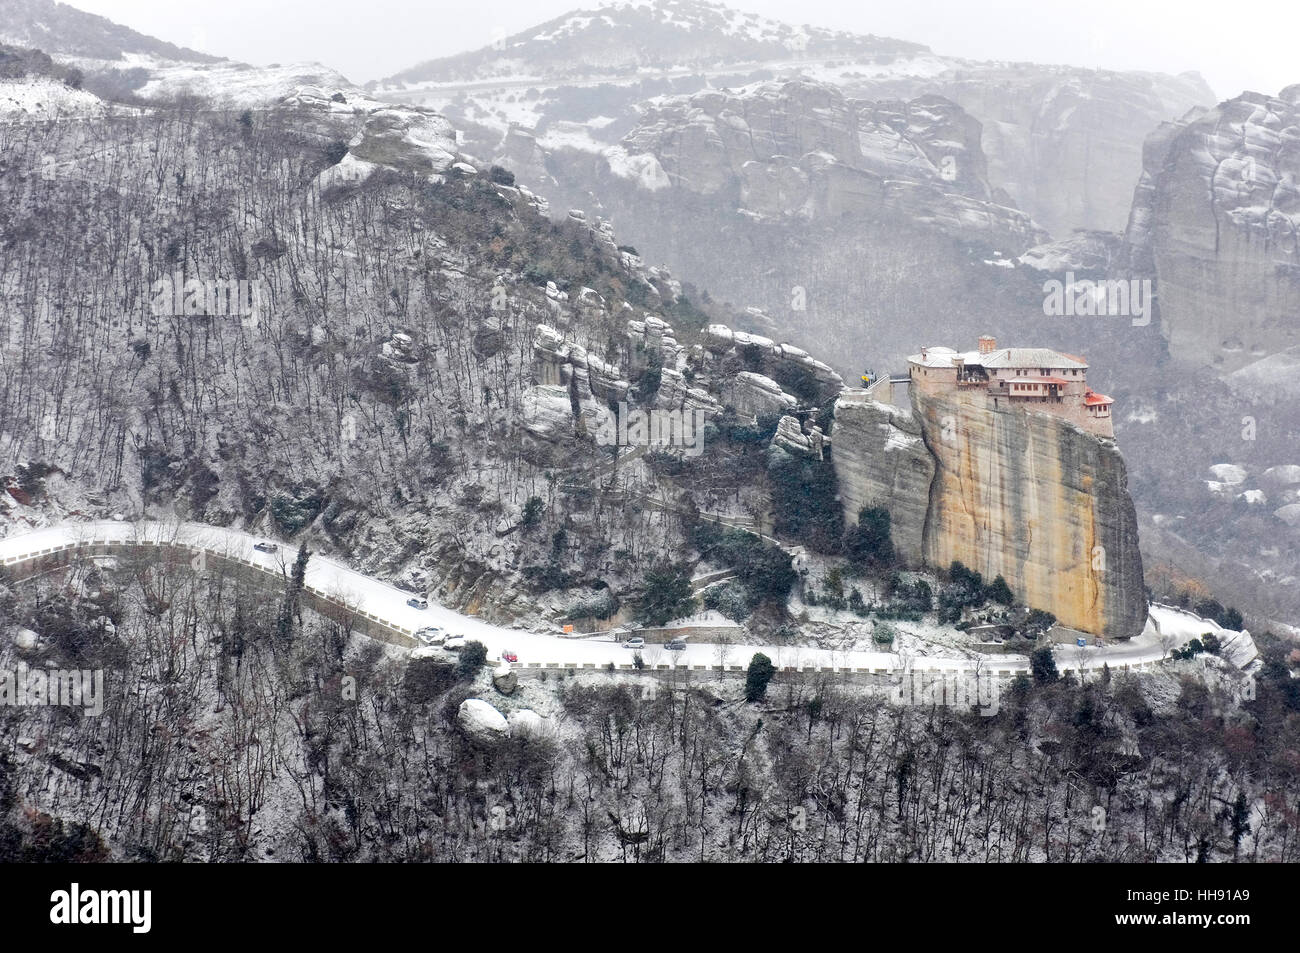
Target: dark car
(266, 547)
(675, 645)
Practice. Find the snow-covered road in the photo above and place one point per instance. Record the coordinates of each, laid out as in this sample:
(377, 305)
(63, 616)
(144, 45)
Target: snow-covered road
(386, 604)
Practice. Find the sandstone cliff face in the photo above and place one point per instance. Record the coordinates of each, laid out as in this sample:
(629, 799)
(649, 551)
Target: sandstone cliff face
(1038, 501)
(881, 460)
(1026, 496)
(1215, 219)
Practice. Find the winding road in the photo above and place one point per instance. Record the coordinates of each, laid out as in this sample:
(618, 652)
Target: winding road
(385, 604)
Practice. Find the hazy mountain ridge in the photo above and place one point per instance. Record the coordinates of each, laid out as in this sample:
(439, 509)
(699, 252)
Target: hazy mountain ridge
(623, 37)
(62, 30)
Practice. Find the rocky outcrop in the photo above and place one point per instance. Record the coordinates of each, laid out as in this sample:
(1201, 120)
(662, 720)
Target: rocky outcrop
(1038, 501)
(1026, 496)
(881, 460)
(802, 149)
(794, 439)
(779, 362)
(756, 395)
(1216, 221)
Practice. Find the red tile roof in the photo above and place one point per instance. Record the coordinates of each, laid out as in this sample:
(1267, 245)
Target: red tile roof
(1093, 399)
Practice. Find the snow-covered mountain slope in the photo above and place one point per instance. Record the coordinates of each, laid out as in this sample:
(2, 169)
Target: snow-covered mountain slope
(1043, 127)
(62, 30)
(46, 99)
(627, 37)
(238, 84)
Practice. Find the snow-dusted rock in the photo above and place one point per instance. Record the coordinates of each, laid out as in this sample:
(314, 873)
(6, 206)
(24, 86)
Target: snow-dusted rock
(526, 723)
(481, 722)
(1280, 477)
(757, 394)
(505, 680)
(1289, 514)
(1229, 473)
(547, 412)
(790, 437)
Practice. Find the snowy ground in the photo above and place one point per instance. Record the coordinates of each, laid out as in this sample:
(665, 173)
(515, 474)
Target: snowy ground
(24, 99)
(1167, 628)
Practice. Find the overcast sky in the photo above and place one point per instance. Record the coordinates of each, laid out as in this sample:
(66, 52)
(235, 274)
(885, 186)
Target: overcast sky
(1234, 46)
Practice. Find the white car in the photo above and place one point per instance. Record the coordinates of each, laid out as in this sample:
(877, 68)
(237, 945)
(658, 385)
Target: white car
(454, 642)
(266, 547)
(431, 635)
(636, 642)
(416, 602)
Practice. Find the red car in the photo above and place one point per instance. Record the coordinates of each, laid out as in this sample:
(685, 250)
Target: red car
(508, 656)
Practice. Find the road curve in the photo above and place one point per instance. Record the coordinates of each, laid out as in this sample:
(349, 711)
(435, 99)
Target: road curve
(386, 604)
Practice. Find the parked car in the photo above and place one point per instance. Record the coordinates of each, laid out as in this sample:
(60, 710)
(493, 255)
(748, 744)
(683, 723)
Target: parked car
(415, 602)
(265, 547)
(635, 642)
(430, 635)
(508, 656)
(454, 643)
(675, 645)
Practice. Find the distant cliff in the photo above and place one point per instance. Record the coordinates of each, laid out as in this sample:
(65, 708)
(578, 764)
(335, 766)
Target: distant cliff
(1024, 495)
(1215, 220)
(801, 149)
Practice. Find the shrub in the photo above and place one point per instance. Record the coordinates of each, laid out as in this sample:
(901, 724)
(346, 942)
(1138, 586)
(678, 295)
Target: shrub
(999, 591)
(856, 603)
(870, 542)
(335, 151)
(651, 378)
(763, 569)
(805, 504)
(600, 606)
(1038, 623)
(667, 594)
(532, 512)
(913, 597)
(1042, 664)
(472, 657)
(729, 599)
(1189, 651)
(760, 672)
(427, 678)
(884, 634)
(501, 176)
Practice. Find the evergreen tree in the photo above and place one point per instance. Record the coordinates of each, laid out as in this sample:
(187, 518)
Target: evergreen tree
(759, 674)
(1043, 665)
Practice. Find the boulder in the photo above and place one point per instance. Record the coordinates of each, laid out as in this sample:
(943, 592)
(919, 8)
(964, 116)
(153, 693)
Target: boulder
(526, 723)
(756, 394)
(505, 680)
(480, 722)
